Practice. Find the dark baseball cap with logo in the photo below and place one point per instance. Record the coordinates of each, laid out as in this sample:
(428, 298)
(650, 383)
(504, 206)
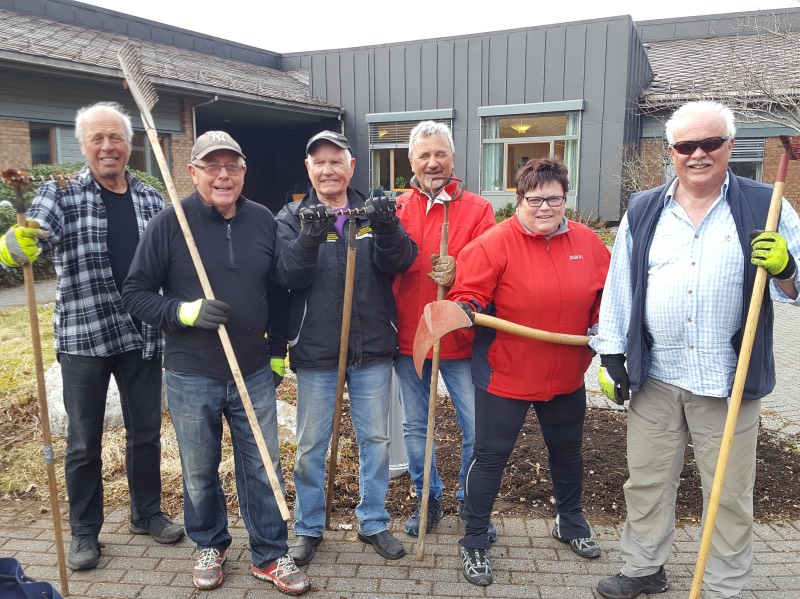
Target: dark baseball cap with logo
(336, 139)
(211, 141)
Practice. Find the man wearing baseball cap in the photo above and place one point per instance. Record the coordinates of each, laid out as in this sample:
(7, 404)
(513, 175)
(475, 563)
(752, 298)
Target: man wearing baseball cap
(312, 263)
(236, 239)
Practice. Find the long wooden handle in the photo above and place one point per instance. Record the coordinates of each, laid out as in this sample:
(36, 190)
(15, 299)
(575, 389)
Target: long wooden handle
(44, 413)
(223, 333)
(344, 341)
(759, 287)
(432, 398)
(506, 326)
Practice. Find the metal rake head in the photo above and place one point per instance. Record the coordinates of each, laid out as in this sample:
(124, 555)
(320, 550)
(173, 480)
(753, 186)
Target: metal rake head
(142, 89)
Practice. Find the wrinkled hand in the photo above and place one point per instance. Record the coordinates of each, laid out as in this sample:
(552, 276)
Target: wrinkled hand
(278, 367)
(468, 310)
(770, 251)
(19, 246)
(592, 332)
(316, 221)
(382, 213)
(204, 313)
(444, 270)
(613, 378)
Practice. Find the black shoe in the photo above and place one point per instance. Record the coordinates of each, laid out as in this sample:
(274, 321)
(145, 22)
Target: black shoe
(162, 529)
(586, 547)
(435, 515)
(626, 587)
(491, 532)
(303, 548)
(384, 543)
(84, 552)
(475, 566)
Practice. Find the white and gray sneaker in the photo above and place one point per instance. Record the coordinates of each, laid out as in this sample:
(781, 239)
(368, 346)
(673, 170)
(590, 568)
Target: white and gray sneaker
(476, 566)
(586, 547)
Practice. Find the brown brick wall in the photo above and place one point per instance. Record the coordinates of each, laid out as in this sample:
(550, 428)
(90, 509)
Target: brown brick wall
(181, 152)
(652, 164)
(773, 148)
(15, 144)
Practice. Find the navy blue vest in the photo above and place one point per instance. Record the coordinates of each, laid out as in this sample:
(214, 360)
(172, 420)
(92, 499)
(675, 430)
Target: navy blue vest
(749, 203)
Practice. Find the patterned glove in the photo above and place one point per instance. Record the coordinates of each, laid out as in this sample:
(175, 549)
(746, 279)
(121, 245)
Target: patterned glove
(444, 270)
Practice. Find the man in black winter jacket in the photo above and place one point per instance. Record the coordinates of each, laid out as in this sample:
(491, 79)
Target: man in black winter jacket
(312, 264)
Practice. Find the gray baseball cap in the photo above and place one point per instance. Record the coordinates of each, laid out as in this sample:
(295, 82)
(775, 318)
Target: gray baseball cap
(336, 139)
(211, 141)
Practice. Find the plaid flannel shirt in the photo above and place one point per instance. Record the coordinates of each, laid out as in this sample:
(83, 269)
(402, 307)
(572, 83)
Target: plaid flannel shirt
(88, 316)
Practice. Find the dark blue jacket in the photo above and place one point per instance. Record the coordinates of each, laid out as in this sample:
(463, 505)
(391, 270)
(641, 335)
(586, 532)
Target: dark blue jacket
(749, 203)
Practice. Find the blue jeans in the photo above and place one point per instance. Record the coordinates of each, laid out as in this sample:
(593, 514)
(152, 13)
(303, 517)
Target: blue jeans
(368, 388)
(197, 404)
(415, 397)
(85, 380)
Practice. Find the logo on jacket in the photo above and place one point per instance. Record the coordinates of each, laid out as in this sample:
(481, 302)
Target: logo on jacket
(576, 257)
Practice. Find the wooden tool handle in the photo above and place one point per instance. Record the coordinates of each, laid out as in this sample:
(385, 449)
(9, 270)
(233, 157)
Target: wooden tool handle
(485, 320)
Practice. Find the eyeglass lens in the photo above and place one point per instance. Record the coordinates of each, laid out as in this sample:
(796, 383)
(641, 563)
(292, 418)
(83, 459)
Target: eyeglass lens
(552, 201)
(214, 169)
(710, 144)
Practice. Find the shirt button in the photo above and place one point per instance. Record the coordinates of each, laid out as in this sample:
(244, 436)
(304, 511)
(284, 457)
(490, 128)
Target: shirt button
(691, 347)
(690, 292)
(689, 319)
(696, 236)
(693, 263)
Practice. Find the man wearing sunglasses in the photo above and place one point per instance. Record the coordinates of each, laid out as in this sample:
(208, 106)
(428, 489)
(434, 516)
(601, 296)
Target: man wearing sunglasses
(675, 303)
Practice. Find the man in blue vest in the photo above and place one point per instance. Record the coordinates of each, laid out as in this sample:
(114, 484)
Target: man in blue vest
(674, 307)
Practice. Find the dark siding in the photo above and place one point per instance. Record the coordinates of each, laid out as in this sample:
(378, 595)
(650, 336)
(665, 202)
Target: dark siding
(429, 64)
(515, 84)
(413, 77)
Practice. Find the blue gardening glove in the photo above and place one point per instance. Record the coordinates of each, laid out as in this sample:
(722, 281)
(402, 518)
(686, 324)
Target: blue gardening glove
(444, 270)
(315, 223)
(382, 214)
(769, 251)
(19, 246)
(613, 378)
(468, 310)
(278, 366)
(204, 313)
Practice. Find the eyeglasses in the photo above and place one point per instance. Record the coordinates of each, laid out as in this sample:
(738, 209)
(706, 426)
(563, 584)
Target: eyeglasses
(552, 201)
(708, 145)
(214, 169)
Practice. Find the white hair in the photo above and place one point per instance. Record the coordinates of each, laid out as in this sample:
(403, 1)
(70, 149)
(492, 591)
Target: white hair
(691, 109)
(430, 129)
(86, 111)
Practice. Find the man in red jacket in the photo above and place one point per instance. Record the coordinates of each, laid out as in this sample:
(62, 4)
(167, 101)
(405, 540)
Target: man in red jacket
(431, 153)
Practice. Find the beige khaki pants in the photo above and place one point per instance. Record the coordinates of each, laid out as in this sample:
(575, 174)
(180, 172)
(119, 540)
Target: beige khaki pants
(660, 419)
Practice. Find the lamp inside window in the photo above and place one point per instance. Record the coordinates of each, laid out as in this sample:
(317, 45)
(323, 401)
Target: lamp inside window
(521, 127)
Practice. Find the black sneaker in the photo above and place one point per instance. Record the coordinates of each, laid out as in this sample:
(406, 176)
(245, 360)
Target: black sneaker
(491, 532)
(435, 515)
(475, 566)
(626, 587)
(84, 552)
(586, 547)
(162, 529)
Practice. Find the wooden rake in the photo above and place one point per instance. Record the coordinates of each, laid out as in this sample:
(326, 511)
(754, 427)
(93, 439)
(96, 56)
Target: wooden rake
(146, 97)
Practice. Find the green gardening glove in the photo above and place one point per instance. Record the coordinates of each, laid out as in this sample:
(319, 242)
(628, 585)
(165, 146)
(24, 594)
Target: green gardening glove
(769, 251)
(19, 246)
(204, 313)
(278, 366)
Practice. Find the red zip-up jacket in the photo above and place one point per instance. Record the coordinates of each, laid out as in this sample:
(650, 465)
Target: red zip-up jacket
(550, 284)
(469, 216)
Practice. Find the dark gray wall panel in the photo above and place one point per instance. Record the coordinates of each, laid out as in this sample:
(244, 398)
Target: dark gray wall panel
(461, 83)
(413, 77)
(445, 81)
(397, 78)
(333, 80)
(574, 62)
(608, 196)
(498, 69)
(361, 84)
(381, 85)
(349, 96)
(474, 87)
(554, 64)
(594, 85)
(429, 65)
(534, 71)
(589, 179)
(515, 83)
(319, 78)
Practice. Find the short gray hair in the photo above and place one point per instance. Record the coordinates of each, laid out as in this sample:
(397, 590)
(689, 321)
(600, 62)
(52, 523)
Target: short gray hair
(347, 153)
(698, 107)
(430, 129)
(86, 111)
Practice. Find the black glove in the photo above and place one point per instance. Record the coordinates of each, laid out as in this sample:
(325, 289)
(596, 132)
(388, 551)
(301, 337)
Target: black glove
(204, 313)
(468, 310)
(614, 378)
(315, 223)
(382, 214)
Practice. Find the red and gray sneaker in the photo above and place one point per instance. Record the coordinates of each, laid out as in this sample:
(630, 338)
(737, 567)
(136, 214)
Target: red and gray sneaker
(207, 573)
(284, 574)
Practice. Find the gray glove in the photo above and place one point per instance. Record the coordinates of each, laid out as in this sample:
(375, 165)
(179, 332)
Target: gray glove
(315, 222)
(382, 214)
(204, 313)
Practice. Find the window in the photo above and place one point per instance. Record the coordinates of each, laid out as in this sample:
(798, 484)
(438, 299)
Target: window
(41, 144)
(509, 142)
(747, 158)
(142, 157)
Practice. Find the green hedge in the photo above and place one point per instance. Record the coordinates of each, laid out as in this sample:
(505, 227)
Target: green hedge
(43, 267)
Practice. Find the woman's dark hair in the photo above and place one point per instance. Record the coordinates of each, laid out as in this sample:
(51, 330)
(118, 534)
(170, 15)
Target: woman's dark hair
(539, 172)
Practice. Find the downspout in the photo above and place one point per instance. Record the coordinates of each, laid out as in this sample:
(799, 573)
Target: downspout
(194, 114)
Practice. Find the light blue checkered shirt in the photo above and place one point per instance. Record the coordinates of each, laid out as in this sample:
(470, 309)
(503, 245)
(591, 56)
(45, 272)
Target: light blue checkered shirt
(694, 294)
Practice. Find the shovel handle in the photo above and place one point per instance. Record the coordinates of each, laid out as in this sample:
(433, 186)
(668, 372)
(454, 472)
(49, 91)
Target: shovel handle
(499, 324)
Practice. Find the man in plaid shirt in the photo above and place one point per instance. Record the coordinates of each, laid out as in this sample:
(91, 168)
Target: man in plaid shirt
(92, 226)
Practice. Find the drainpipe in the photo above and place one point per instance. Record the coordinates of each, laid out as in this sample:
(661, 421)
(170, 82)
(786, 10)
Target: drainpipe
(194, 114)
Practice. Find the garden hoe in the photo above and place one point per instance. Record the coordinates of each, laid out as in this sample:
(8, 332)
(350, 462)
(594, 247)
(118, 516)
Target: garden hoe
(438, 183)
(19, 181)
(791, 146)
(146, 97)
(442, 317)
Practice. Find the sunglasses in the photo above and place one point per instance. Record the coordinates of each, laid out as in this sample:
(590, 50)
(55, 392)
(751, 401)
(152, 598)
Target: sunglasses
(708, 145)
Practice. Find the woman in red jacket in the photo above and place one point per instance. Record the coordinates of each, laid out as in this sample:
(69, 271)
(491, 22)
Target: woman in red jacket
(543, 271)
